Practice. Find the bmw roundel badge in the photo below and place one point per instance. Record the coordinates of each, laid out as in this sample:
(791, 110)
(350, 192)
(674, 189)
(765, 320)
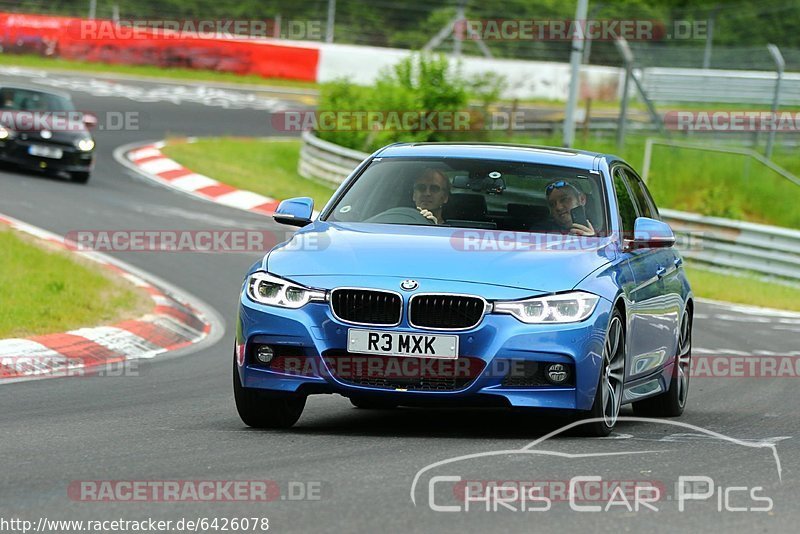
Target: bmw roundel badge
(409, 285)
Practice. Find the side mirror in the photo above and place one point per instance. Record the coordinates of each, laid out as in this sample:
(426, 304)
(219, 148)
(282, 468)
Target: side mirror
(90, 121)
(295, 211)
(650, 233)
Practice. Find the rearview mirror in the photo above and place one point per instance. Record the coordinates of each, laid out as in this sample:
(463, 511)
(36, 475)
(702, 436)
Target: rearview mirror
(295, 211)
(650, 233)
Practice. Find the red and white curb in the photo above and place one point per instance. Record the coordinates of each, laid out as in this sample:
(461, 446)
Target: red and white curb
(150, 162)
(176, 321)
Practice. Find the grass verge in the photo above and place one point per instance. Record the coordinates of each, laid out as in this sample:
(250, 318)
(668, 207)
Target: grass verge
(264, 166)
(45, 291)
(188, 75)
(742, 289)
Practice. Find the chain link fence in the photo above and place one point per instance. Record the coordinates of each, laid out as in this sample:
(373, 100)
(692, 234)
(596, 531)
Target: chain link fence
(735, 31)
(724, 53)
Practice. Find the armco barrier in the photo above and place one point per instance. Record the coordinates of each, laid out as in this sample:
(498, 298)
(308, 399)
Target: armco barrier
(715, 241)
(715, 85)
(326, 162)
(763, 249)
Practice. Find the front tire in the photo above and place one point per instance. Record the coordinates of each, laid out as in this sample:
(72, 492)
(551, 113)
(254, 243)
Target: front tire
(262, 409)
(672, 402)
(608, 398)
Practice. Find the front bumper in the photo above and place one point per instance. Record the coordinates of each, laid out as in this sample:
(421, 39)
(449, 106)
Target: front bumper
(498, 344)
(73, 160)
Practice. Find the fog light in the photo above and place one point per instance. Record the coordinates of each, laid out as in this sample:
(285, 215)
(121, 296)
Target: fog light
(557, 373)
(264, 353)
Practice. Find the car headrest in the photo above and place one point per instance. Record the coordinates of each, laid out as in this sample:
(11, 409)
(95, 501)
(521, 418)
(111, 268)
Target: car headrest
(465, 206)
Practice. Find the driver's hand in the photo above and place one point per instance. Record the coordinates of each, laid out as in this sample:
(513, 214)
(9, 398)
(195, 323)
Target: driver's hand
(428, 215)
(579, 229)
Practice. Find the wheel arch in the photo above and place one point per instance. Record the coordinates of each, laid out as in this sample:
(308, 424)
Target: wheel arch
(621, 305)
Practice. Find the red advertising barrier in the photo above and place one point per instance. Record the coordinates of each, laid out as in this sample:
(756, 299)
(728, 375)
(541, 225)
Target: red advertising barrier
(105, 42)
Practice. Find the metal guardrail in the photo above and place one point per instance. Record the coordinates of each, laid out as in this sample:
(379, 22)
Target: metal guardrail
(697, 85)
(326, 162)
(738, 245)
(763, 249)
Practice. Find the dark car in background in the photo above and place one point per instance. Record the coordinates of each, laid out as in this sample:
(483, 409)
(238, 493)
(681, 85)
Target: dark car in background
(42, 130)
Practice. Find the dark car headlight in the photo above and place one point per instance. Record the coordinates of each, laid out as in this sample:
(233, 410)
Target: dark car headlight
(265, 288)
(563, 308)
(85, 145)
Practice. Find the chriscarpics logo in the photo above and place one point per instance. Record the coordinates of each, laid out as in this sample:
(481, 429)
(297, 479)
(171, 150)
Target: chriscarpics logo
(665, 466)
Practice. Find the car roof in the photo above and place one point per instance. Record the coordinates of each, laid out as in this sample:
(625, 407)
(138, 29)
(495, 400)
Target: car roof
(62, 94)
(496, 151)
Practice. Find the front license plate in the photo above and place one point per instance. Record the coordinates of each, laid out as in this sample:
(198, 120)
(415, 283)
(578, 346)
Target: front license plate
(402, 344)
(45, 152)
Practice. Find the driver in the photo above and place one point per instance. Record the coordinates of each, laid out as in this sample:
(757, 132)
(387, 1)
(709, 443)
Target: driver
(7, 98)
(431, 193)
(562, 197)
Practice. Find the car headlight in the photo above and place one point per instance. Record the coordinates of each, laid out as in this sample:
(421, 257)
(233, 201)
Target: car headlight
(564, 308)
(85, 144)
(268, 289)
(5, 133)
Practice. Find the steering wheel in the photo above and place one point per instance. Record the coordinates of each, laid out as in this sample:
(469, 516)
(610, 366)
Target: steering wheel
(400, 215)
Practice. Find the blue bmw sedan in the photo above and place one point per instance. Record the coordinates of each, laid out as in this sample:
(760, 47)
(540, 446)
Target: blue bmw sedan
(470, 275)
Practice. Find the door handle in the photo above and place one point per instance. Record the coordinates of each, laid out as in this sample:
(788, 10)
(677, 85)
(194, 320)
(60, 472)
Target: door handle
(678, 262)
(661, 271)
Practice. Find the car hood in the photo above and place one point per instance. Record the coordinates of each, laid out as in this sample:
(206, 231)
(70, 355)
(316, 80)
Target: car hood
(537, 262)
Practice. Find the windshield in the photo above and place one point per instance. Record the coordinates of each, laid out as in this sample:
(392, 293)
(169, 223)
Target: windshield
(29, 100)
(474, 193)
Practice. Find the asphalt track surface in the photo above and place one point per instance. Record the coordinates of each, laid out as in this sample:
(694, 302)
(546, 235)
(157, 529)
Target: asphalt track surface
(177, 421)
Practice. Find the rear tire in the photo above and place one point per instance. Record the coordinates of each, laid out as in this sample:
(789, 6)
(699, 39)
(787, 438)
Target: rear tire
(610, 385)
(79, 177)
(264, 409)
(365, 403)
(672, 402)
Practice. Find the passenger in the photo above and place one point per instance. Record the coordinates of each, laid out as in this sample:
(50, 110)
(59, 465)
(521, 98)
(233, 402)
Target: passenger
(562, 198)
(431, 193)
